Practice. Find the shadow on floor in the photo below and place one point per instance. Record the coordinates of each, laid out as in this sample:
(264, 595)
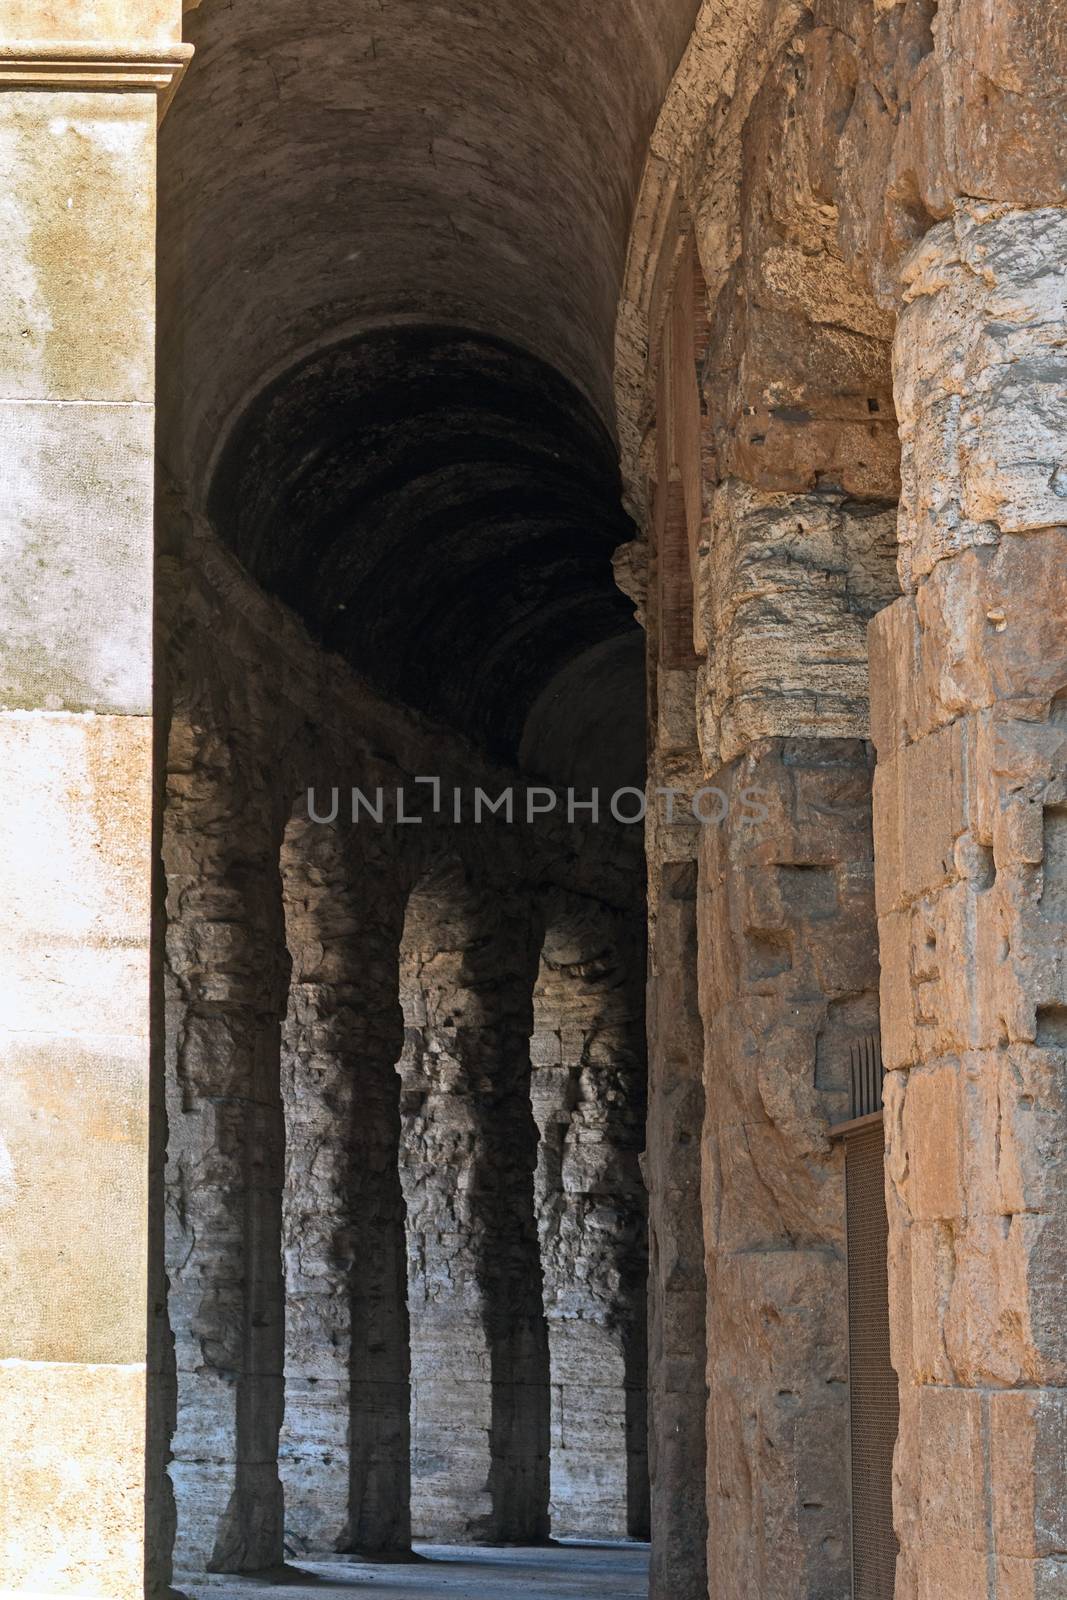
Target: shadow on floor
(578, 1571)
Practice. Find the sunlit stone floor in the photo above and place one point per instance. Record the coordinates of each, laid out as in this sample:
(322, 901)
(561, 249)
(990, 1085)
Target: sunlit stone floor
(450, 1572)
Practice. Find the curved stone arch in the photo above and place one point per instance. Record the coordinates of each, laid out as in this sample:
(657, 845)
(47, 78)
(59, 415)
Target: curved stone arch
(533, 258)
(719, 73)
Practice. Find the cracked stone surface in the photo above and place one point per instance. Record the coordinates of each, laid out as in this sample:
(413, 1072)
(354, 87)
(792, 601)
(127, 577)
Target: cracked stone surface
(479, 1371)
(588, 1089)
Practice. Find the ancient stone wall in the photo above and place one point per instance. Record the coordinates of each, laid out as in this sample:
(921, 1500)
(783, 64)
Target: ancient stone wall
(840, 173)
(789, 983)
(284, 1112)
(770, 546)
(83, 1391)
(969, 671)
(589, 1104)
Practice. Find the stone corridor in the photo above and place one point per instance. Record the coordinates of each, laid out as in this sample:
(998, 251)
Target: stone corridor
(533, 856)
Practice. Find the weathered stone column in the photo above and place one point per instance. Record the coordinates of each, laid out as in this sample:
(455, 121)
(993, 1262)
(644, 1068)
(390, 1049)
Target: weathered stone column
(969, 700)
(789, 983)
(227, 981)
(479, 1351)
(589, 1101)
(345, 1444)
(78, 117)
(677, 1355)
(662, 588)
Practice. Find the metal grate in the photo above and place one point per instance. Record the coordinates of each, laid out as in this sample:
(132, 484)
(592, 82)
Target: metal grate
(873, 1394)
(866, 1074)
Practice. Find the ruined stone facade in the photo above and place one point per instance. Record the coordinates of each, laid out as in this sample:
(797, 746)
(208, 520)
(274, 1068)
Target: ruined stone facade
(862, 398)
(355, 1282)
(454, 401)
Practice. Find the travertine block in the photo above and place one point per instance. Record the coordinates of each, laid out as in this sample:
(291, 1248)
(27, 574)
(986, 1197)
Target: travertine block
(929, 784)
(897, 713)
(1028, 1459)
(50, 658)
(77, 173)
(980, 450)
(786, 594)
(121, 21)
(932, 1129)
(953, 1506)
(1019, 1578)
(72, 1478)
(788, 983)
(974, 912)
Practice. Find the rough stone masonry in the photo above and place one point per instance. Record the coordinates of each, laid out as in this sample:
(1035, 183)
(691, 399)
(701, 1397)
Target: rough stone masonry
(481, 392)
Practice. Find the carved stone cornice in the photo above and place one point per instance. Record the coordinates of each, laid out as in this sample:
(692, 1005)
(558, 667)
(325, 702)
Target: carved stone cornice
(52, 64)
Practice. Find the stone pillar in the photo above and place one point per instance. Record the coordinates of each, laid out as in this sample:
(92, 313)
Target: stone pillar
(789, 982)
(677, 1355)
(345, 1444)
(78, 118)
(227, 980)
(589, 1100)
(969, 701)
(677, 1285)
(479, 1352)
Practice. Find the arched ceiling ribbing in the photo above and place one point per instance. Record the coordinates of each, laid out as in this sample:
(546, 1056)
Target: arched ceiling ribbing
(461, 501)
(392, 237)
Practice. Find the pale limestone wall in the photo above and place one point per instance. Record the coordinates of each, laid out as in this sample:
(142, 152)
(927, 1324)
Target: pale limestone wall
(77, 176)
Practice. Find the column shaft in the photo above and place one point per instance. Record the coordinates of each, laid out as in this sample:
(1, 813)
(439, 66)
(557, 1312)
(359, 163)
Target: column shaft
(789, 980)
(588, 1099)
(677, 1355)
(469, 1147)
(227, 981)
(345, 1446)
(969, 712)
(77, 923)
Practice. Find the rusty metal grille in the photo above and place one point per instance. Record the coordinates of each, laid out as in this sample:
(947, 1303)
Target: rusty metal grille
(866, 1074)
(873, 1395)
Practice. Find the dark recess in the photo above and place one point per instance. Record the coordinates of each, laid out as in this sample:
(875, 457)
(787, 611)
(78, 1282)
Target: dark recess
(441, 509)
